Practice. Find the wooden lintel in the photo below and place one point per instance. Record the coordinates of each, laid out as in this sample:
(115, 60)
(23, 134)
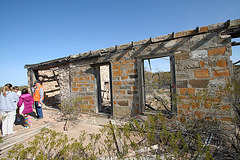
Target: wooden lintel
(235, 43)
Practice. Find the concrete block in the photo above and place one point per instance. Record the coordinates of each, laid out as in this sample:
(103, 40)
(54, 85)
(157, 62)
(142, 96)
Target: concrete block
(225, 107)
(117, 83)
(117, 73)
(215, 83)
(186, 91)
(125, 87)
(221, 72)
(199, 54)
(182, 56)
(182, 75)
(188, 65)
(203, 83)
(201, 73)
(90, 94)
(222, 63)
(124, 77)
(182, 84)
(121, 112)
(122, 102)
(216, 51)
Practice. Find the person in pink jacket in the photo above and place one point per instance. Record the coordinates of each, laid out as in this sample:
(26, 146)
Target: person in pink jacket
(28, 101)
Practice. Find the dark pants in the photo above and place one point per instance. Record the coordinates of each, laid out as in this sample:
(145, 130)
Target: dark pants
(38, 110)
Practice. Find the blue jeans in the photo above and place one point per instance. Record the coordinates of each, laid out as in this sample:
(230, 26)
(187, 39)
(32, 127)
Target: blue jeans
(38, 110)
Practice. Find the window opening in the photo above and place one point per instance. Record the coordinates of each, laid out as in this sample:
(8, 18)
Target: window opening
(235, 50)
(236, 66)
(158, 83)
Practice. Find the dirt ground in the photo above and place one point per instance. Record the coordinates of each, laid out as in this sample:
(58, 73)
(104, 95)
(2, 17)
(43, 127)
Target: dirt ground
(52, 120)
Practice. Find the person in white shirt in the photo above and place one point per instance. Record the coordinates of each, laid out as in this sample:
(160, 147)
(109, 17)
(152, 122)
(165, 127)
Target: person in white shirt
(8, 105)
(19, 110)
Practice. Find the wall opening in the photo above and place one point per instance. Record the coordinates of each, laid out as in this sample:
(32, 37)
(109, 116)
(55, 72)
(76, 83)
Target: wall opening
(104, 88)
(235, 50)
(236, 67)
(158, 84)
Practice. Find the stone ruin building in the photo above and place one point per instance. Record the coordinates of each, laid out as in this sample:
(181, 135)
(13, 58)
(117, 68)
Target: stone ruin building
(114, 81)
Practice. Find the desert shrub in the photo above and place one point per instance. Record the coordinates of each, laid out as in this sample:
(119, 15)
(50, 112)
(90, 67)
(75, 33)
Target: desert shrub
(185, 137)
(70, 109)
(232, 92)
(50, 144)
(154, 137)
(203, 119)
(132, 139)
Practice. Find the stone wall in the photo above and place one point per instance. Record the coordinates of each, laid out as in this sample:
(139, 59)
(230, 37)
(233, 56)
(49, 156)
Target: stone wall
(82, 83)
(201, 57)
(64, 82)
(208, 66)
(125, 87)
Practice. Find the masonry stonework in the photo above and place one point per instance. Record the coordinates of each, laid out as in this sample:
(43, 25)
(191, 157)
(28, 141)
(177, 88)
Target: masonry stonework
(201, 59)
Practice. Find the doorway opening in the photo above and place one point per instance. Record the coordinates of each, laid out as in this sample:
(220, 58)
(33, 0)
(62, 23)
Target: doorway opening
(159, 84)
(104, 88)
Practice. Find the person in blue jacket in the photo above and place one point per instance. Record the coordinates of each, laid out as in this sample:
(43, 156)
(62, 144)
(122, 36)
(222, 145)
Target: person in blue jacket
(8, 105)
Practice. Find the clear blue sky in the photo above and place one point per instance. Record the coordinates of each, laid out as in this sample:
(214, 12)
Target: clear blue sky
(33, 31)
